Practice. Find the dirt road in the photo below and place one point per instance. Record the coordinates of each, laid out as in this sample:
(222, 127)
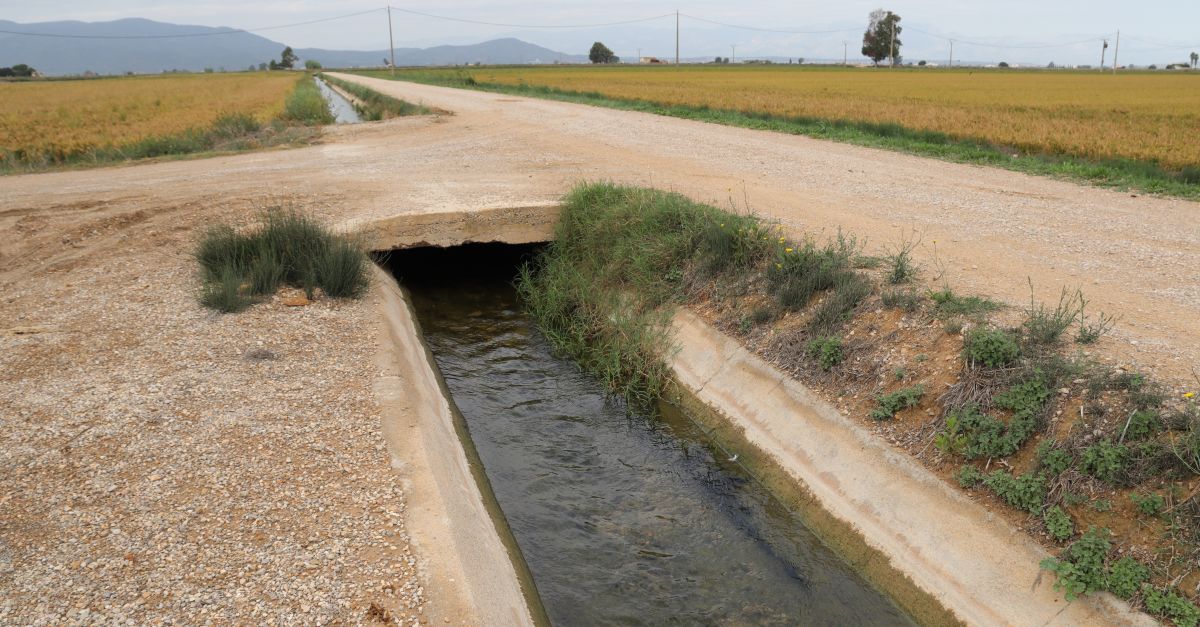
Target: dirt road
(1133, 255)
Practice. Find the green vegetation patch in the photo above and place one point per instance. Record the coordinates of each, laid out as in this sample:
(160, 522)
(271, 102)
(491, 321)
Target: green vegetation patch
(288, 248)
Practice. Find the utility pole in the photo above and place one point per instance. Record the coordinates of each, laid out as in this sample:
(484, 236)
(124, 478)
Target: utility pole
(1103, 49)
(676, 37)
(951, 53)
(892, 50)
(1116, 51)
(733, 47)
(639, 55)
(391, 41)
(845, 53)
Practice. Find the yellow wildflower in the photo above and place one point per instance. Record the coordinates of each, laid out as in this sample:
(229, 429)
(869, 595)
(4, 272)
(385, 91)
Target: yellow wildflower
(779, 266)
(1189, 395)
(787, 250)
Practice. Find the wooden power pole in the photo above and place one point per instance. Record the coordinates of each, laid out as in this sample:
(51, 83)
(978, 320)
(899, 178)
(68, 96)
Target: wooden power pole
(892, 50)
(391, 42)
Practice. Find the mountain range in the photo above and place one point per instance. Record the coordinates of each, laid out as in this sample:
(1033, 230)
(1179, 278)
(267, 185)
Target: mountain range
(145, 46)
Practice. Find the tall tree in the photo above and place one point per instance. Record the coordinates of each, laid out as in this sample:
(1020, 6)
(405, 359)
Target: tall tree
(288, 59)
(878, 41)
(601, 54)
(1195, 59)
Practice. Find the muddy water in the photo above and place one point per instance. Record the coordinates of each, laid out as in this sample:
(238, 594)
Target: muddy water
(621, 518)
(343, 111)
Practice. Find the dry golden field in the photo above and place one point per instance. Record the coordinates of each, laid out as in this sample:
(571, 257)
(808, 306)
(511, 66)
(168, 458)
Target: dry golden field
(58, 120)
(1142, 116)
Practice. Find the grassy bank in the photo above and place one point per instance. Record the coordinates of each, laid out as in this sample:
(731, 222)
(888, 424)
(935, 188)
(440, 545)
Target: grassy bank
(1099, 463)
(1120, 173)
(372, 105)
(292, 121)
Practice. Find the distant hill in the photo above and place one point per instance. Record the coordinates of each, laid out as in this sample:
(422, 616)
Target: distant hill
(162, 49)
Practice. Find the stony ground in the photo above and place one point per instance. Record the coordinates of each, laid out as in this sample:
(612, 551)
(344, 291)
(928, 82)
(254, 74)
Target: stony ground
(160, 463)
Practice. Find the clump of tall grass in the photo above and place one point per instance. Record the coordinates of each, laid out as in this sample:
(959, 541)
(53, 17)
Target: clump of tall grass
(287, 248)
(305, 105)
(601, 292)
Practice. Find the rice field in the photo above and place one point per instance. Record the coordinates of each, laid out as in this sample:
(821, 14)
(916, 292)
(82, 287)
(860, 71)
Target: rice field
(1143, 116)
(56, 121)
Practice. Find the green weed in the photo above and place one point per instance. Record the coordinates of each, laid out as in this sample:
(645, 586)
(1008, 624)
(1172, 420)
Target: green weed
(1058, 524)
(1106, 461)
(993, 348)
(948, 304)
(899, 298)
(1027, 492)
(827, 351)
(891, 404)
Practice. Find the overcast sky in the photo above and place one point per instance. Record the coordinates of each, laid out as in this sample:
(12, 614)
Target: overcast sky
(1152, 31)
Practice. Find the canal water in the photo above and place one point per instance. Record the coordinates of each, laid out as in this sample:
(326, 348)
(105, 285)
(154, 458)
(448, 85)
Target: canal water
(622, 518)
(343, 111)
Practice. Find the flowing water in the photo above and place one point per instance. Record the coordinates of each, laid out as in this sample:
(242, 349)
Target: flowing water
(343, 112)
(622, 518)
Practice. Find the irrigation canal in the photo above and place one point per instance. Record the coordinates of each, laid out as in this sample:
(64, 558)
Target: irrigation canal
(621, 518)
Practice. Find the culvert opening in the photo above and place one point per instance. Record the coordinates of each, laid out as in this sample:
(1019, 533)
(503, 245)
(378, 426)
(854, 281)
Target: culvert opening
(620, 517)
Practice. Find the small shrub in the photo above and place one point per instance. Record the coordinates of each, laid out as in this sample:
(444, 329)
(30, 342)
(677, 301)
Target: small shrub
(1105, 461)
(1024, 399)
(221, 250)
(902, 267)
(737, 244)
(1171, 605)
(1058, 524)
(891, 404)
(993, 348)
(969, 476)
(1148, 504)
(1026, 492)
(1143, 424)
(1052, 461)
(903, 299)
(974, 434)
(1102, 505)
(1091, 331)
(953, 326)
(948, 304)
(760, 315)
(827, 351)
(951, 439)
(802, 270)
(850, 289)
(1080, 570)
(1045, 326)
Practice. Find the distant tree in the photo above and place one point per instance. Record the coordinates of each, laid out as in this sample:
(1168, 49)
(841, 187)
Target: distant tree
(1052, 66)
(601, 54)
(312, 65)
(1152, 67)
(1195, 59)
(1004, 64)
(288, 59)
(251, 68)
(921, 63)
(882, 28)
(717, 60)
(800, 61)
(386, 62)
(274, 65)
(19, 70)
(262, 67)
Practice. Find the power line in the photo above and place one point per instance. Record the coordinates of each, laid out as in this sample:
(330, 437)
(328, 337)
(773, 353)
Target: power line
(1007, 46)
(231, 31)
(1162, 45)
(770, 30)
(464, 20)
